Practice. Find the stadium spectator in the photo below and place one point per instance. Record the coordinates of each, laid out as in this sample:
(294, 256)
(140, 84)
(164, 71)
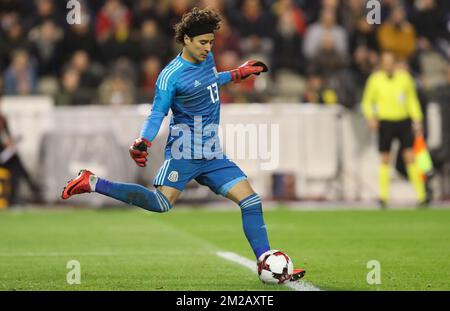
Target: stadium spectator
(313, 89)
(14, 38)
(71, 94)
(10, 159)
(313, 8)
(46, 47)
(442, 92)
(113, 20)
(388, 6)
(113, 30)
(318, 91)
(146, 10)
(216, 5)
(394, 116)
(315, 33)
(125, 68)
(220, 6)
(251, 23)
(363, 62)
(11, 9)
(328, 59)
(116, 91)
(81, 37)
(70, 85)
(432, 31)
(297, 18)
(172, 14)
(45, 10)
(20, 76)
(152, 41)
(290, 29)
(397, 35)
(354, 19)
(330, 4)
(90, 73)
(273, 29)
(151, 67)
(226, 39)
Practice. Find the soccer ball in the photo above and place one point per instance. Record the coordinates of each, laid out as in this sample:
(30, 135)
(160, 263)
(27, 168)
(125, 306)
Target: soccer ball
(275, 267)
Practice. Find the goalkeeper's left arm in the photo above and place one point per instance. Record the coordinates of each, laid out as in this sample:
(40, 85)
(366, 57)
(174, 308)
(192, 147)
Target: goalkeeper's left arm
(242, 72)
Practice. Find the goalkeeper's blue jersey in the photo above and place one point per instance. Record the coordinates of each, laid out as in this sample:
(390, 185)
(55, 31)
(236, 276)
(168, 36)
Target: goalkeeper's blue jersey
(191, 91)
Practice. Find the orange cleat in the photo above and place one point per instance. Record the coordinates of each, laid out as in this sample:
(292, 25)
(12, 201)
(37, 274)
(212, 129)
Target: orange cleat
(297, 274)
(78, 185)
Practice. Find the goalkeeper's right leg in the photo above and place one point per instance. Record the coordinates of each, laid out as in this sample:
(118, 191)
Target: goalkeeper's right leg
(135, 194)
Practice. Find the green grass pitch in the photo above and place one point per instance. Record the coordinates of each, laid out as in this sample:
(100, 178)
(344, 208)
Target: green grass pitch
(131, 249)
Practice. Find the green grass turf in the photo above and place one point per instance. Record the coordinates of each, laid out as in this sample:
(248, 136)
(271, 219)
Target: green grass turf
(130, 249)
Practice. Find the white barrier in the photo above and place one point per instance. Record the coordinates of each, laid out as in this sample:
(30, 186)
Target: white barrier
(330, 151)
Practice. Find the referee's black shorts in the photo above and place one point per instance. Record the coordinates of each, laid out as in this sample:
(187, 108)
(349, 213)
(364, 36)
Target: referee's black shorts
(389, 130)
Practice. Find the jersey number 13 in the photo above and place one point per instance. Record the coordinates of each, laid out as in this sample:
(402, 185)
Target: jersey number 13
(214, 92)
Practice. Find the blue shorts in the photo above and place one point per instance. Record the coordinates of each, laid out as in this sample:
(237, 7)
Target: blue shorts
(220, 175)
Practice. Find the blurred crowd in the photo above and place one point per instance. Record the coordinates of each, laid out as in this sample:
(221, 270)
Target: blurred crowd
(325, 49)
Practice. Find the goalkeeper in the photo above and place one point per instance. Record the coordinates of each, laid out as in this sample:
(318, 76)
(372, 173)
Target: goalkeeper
(189, 86)
(392, 109)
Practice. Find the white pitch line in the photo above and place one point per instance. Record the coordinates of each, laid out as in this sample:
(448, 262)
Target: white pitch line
(298, 286)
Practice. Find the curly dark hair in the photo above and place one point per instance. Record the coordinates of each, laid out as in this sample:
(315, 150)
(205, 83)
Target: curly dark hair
(195, 19)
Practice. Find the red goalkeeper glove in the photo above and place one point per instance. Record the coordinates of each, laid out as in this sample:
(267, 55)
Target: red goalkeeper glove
(248, 68)
(138, 151)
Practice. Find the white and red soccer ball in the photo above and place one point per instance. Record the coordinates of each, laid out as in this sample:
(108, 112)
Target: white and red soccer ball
(275, 267)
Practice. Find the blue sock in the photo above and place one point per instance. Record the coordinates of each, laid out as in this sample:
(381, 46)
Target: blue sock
(134, 194)
(253, 224)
